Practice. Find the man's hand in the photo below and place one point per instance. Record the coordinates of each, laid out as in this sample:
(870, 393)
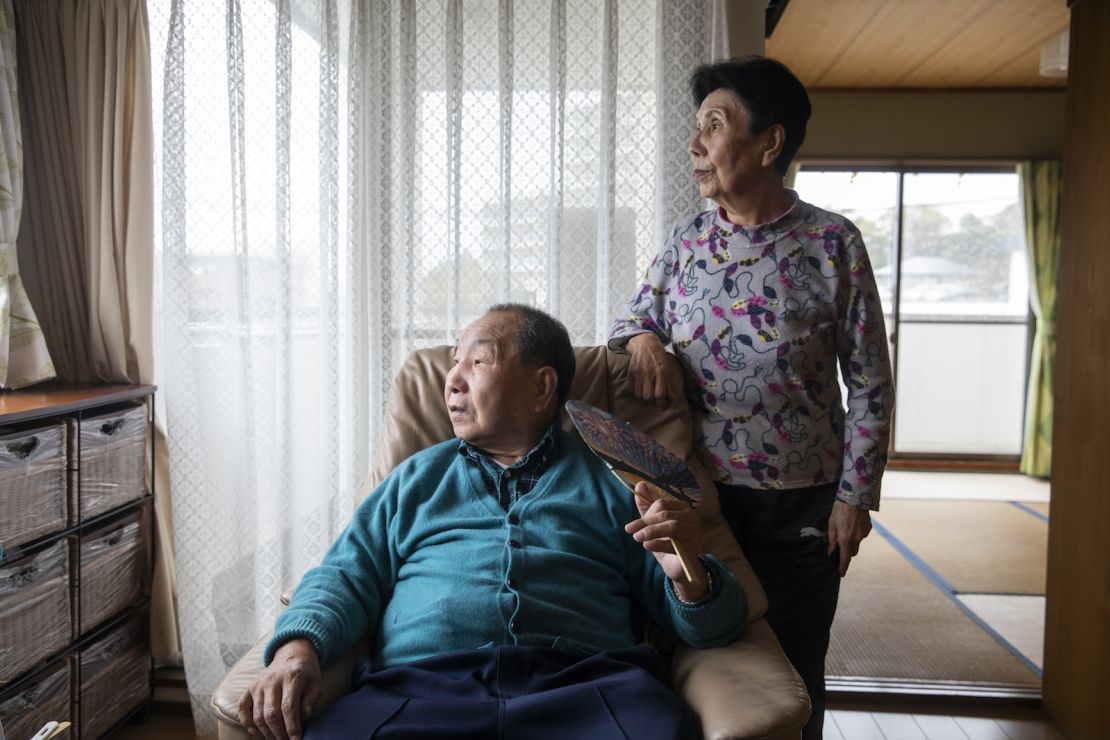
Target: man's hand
(660, 522)
(848, 525)
(647, 371)
(284, 694)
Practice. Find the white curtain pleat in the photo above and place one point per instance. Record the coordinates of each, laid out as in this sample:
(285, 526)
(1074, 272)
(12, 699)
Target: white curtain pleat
(606, 166)
(343, 182)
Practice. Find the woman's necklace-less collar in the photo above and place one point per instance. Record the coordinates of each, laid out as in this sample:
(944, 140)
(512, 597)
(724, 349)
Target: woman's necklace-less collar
(754, 228)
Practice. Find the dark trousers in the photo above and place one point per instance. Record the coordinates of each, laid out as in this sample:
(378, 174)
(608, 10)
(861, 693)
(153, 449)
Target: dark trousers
(783, 535)
(511, 692)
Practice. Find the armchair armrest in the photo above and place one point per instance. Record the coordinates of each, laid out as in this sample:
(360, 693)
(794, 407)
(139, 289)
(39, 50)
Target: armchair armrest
(225, 700)
(745, 690)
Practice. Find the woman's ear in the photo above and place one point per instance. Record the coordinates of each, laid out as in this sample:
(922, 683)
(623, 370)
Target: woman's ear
(775, 140)
(547, 385)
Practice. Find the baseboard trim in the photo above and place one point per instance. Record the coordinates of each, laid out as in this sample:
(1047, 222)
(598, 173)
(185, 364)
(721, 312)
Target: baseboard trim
(949, 694)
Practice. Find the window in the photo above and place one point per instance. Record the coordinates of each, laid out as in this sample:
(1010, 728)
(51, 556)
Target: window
(948, 251)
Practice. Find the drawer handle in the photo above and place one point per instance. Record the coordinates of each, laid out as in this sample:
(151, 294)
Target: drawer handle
(22, 450)
(114, 538)
(109, 428)
(25, 577)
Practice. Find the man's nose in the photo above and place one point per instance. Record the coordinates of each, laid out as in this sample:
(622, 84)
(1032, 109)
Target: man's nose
(455, 380)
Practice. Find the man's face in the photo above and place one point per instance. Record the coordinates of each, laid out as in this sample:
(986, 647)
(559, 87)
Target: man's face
(489, 392)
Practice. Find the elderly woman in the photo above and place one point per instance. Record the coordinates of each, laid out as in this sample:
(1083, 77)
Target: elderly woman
(761, 298)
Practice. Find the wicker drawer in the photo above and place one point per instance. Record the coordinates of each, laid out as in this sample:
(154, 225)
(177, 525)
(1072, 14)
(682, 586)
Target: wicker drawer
(115, 677)
(34, 609)
(113, 460)
(36, 701)
(33, 480)
(113, 569)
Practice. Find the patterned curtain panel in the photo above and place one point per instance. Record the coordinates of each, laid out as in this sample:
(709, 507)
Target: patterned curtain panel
(344, 182)
(1041, 184)
(24, 359)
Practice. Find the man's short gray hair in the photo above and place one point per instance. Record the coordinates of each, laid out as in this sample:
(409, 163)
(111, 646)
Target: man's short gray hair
(541, 342)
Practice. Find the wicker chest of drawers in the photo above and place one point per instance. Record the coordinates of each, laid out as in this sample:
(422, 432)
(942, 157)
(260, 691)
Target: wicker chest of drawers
(76, 511)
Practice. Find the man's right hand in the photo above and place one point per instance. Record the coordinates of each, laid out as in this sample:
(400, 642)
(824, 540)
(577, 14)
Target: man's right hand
(648, 371)
(284, 694)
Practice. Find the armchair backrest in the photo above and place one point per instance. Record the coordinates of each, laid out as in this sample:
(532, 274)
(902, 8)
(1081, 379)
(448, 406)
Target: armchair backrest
(416, 418)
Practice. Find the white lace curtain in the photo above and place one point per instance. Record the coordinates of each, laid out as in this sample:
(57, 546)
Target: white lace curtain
(342, 182)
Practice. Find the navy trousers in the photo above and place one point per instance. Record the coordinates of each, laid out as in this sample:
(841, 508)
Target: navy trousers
(511, 692)
(784, 535)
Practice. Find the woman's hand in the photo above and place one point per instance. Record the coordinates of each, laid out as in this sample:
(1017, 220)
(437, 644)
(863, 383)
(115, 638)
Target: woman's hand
(848, 525)
(649, 371)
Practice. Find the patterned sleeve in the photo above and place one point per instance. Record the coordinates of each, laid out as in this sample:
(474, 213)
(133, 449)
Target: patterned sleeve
(648, 311)
(865, 364)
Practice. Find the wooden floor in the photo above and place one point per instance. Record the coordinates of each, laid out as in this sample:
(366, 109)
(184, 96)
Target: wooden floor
(857, 723)
(939, 724)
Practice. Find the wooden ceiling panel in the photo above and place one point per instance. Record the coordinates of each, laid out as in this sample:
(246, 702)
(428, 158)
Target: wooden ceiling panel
(810, 36)
(910, 43)
(901, 38)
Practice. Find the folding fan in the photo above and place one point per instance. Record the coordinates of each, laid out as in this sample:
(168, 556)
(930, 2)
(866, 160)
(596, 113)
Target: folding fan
(632, 456)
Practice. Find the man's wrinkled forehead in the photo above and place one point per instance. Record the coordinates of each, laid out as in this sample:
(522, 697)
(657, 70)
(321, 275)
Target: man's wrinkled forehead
(493, 333)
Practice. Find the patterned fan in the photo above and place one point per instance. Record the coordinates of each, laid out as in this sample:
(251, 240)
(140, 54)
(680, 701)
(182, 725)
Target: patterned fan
(632, 456)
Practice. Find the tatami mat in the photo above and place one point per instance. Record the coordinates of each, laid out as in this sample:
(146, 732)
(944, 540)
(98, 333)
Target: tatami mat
(1017, 619)
(963, 486)
(893, 622)
(983, 547)
(1038, 506)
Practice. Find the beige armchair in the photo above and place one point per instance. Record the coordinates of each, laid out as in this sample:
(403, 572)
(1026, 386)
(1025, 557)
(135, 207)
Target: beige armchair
(745, 690)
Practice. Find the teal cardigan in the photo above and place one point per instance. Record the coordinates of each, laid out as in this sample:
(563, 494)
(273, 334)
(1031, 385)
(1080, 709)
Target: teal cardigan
(431, 564)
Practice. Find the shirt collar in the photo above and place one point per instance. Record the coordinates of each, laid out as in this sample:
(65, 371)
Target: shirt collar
(549, 442)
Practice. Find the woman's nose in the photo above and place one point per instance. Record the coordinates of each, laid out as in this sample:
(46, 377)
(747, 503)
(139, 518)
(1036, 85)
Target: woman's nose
(695, 144)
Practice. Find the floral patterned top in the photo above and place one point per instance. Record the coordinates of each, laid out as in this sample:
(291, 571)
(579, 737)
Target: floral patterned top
(759, 317)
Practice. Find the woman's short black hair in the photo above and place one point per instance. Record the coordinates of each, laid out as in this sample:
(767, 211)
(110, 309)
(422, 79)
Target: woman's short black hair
(543, 341)
(770, 92)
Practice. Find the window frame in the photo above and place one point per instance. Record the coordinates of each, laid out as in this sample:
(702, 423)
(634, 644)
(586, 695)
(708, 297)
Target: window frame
(902, 167)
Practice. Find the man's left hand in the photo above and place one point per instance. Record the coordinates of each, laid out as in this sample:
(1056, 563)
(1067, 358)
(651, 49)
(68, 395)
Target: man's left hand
(660, 522)
(848, 525)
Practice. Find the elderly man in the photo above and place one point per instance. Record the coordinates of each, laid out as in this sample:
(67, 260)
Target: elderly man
(494, 579)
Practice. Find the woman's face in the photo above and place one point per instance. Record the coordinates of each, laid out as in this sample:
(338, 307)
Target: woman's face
(728, 161)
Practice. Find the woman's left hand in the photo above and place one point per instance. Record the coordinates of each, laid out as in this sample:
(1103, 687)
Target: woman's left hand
(848, 525)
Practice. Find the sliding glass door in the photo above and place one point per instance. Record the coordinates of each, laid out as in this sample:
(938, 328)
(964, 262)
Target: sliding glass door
(948, 252)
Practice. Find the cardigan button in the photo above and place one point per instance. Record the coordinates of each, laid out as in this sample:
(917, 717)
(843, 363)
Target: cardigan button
(514, 625)
(512, 583)
(514, 519)
(514, 543)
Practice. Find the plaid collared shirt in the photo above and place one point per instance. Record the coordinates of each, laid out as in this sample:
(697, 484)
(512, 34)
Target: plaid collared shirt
(509, 484)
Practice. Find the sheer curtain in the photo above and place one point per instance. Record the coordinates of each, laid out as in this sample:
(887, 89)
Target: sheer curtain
(24, 357)
(343, 182)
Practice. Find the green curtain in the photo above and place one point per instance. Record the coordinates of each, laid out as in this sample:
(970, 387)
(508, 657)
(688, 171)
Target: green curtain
(24, 358)
(1041, 184)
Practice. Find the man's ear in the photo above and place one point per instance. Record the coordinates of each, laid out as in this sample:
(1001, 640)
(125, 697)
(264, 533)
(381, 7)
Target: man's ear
(547, 389)
(774, 141)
